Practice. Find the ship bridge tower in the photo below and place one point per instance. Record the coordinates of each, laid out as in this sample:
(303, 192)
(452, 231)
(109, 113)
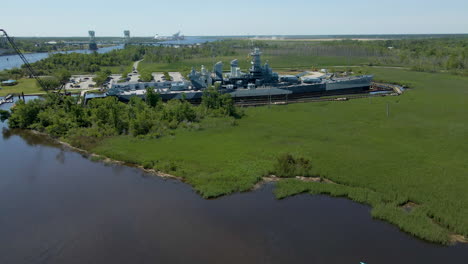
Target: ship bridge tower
(256, 69)
(218, 70)
(127, 36)
(92, 40)
(234, 68)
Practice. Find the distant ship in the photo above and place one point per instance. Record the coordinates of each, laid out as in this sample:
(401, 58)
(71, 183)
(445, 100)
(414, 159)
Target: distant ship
(259, 82)
(176, 36)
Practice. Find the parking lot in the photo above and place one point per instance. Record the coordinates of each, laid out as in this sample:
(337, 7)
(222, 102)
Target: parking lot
(158, 76)
(176, 76)
(134, 77)
(80, 82)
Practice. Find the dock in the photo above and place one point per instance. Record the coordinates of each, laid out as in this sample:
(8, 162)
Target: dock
(7, 100)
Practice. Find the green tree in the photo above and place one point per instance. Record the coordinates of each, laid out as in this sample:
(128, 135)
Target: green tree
(214, 101)
(24, 115)
(146, 77)
(167, 76)
(142, 123)
(63, 76)
(454, 63)
(50, 83)
(178, 111)
(152, 98)
(101, 77)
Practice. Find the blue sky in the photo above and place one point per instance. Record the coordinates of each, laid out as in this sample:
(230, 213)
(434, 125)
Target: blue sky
(234, 17)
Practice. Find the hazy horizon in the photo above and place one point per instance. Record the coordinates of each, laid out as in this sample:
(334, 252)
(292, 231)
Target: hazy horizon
(240, 18)
(252, 36)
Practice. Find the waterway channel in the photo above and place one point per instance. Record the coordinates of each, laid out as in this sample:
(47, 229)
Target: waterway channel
(14, 61)
(57, 206)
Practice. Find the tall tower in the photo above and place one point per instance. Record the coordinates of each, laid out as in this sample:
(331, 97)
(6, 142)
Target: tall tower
(218, 70)
(92, 40)
(127, 36)
(234, 68)
(256, 69)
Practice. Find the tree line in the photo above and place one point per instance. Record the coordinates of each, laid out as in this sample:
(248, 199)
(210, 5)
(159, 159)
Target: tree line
(149, 117)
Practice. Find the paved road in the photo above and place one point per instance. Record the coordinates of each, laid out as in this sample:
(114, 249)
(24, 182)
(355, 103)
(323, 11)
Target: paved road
(134, 77)
(135, 65)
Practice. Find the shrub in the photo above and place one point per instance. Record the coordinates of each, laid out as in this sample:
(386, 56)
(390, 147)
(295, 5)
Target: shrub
(178, 111)
(288, 166)
(148, 164)
(4, 115)
(217, 104)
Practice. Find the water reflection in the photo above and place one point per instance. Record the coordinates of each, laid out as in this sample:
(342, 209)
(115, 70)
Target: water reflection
(31, 138)
(60, 157)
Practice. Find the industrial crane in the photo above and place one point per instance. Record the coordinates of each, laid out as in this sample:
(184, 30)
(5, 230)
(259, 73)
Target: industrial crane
(32, 73)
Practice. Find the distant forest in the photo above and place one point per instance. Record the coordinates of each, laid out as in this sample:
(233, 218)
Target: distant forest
(427, 54)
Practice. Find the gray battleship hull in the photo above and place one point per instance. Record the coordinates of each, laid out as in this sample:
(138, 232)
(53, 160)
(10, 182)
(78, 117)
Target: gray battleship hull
(327, 87)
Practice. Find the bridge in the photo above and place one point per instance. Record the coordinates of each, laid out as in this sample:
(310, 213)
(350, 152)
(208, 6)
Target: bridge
(93, 43)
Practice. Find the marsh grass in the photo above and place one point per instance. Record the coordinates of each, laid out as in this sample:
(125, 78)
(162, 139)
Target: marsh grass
(96, 158)
(416, 153)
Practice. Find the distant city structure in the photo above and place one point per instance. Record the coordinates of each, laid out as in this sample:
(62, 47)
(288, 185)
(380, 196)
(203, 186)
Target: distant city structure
(92, 40)
(127, 36)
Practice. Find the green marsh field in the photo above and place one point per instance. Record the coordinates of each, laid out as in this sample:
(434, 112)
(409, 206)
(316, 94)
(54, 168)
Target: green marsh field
(416, 154)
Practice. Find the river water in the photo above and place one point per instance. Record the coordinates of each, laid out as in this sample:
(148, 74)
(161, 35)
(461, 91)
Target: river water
(14, 61)
(57, 206)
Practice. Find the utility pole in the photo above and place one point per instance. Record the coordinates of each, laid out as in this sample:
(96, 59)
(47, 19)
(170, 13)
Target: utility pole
(269, 96)
(388, 109)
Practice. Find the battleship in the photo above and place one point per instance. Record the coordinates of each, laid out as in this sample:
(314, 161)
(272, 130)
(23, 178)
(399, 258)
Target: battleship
(259, 82)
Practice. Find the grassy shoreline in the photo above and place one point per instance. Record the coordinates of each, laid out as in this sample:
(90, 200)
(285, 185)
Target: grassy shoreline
(27, 86)
(412, 154)
(408, 156)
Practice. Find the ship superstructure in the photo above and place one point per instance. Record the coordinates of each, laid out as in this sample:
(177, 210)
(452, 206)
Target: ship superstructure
(260, 81)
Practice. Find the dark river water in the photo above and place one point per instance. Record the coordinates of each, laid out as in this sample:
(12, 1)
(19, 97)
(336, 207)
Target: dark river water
(57, 206)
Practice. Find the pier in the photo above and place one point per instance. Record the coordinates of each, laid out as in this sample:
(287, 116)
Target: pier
(7, 100)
